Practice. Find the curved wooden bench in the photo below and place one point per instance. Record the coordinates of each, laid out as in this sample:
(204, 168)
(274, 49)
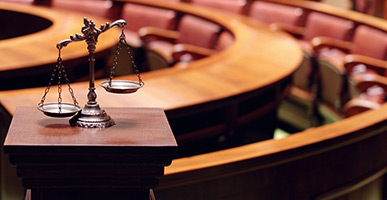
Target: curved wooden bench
(306, 165)
(319, 163)
(27, 61)
(301, 166)
(230, 80)
(245, 73)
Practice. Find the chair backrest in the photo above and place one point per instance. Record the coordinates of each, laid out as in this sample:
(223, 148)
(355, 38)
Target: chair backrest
(199, 32)
(370, 42)
(224, 41)
(319, 24)
(98, 8)
(365, 6)
(234, 6)
(332, 83)
(138, 16)
(268, 13)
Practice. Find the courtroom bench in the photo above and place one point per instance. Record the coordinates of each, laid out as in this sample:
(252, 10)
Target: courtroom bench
(340, 146)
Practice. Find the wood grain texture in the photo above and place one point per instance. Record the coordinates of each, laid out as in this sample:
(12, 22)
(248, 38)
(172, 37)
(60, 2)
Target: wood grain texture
(299, 166)
(53, 158)
(28, 57)
(303, 165)
(256, 60)
(40, 48)
(32, 128)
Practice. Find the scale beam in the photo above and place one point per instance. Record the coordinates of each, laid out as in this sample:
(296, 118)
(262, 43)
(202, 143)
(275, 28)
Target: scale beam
(90, 30)
(91, 116)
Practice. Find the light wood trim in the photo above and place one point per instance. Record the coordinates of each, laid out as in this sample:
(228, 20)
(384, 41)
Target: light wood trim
(325, 42)
(352, 60)
(267, 150)
(364, 81)
(291, 29)
(195, 51)
(359, 103)
(153, 33)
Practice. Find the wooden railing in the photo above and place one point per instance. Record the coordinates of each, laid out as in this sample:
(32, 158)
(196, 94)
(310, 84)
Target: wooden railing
(306, 165)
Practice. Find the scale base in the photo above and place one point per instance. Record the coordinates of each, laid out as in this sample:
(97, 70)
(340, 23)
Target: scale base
(92, 116)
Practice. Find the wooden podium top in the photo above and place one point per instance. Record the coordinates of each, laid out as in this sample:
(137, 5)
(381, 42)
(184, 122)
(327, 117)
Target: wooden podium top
(135, 127)
(51, 154)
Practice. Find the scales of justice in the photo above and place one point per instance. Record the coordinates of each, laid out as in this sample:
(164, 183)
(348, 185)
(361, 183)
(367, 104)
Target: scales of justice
(91, 116)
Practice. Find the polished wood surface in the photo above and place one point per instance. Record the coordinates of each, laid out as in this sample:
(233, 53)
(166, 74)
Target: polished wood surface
(353, 144)
(40, 48)
(257, 59)
(272, 169)
(27, 61)
(36, 54)
(259, 63)
(30, 129)
(300, 166)
(58, 161)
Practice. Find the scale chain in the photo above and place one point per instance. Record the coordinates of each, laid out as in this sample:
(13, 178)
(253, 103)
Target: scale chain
(115, 60)
(59, 68)
(68, 84)
(133, 63)
(48, 85)
(60, 84)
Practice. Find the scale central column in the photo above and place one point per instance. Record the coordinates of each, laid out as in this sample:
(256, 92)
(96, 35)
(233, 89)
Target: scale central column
(92, 116)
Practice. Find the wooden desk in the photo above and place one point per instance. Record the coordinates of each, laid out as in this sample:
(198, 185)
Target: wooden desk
(28, 60)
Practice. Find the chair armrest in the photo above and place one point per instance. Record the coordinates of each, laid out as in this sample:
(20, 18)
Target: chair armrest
(195, 52)
(365, 81)
(352, 60)
(148, 34)
(356, 106)
(319, 43)
(296, 31)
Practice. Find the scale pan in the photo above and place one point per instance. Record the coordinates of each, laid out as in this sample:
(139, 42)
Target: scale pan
(52, 109)
(121, 86)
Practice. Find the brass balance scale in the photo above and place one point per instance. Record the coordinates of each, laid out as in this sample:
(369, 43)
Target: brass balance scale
(91, 116)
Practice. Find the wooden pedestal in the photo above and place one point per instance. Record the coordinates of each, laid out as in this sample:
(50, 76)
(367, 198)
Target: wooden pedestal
(57, 161)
